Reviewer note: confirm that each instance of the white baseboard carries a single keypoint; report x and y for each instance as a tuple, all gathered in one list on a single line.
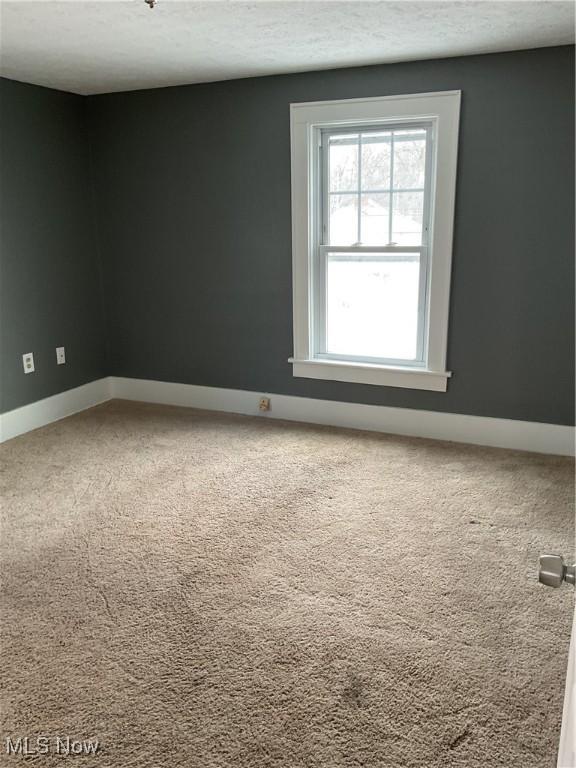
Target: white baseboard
[(479, 430), (42, 412)]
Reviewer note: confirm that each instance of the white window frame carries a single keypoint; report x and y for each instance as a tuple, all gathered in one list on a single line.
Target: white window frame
[(440, 111)]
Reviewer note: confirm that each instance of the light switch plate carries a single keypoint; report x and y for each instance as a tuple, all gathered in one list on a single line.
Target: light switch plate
[(60, 355), (28, 362)]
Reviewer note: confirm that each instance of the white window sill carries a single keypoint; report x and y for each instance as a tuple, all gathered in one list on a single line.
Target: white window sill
[(366, 373)]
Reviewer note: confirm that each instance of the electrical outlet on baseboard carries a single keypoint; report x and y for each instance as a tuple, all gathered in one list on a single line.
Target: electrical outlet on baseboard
[(60, 355), (264, 404)]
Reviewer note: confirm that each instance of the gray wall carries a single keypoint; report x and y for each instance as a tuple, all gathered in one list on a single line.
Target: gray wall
[(50, 277), (193, 195), (194, 192)]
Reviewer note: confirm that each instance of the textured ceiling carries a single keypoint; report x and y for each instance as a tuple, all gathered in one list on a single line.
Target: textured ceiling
[(96, 47)]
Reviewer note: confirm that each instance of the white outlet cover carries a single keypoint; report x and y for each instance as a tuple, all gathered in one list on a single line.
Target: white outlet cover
[(60, 355), (28, 362)]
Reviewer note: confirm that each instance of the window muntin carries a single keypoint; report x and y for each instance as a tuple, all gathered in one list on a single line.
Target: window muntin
[(371, 254)]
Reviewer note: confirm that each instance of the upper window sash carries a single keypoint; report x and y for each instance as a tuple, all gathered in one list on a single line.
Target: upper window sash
[(358, 137)]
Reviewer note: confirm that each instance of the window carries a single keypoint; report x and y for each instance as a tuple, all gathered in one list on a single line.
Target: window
[(372, 204)]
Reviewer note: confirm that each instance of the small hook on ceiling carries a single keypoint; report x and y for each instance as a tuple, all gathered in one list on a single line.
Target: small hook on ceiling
[(151, 3)]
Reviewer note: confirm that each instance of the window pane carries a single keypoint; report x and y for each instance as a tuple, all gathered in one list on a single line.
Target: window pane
[(376, 160), (343, 219), (372, 306), (343, 161), (375, 219), (407, 218), (409, 159)]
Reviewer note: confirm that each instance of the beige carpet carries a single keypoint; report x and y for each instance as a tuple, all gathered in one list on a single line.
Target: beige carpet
[(213, 591)]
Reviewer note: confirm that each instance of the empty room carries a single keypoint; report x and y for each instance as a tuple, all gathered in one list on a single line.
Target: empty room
[(287, 384)]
